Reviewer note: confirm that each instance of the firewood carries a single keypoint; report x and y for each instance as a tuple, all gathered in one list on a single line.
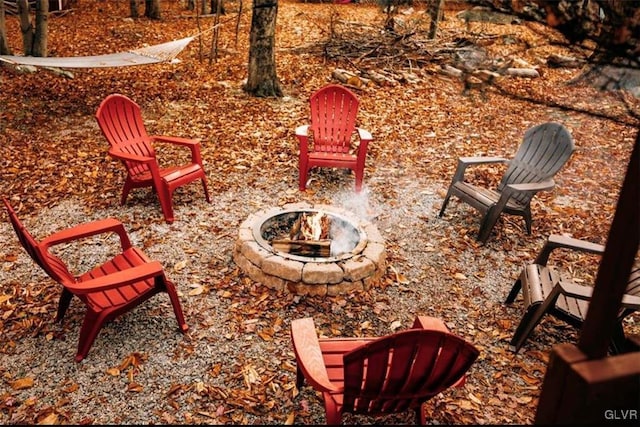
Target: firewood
[(315, 248), (522, 72)]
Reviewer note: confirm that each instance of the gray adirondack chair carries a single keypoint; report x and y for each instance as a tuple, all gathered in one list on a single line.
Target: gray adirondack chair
[(544, 150)]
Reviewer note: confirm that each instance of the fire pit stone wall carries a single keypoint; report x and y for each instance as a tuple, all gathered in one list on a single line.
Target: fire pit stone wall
[(360, 269)]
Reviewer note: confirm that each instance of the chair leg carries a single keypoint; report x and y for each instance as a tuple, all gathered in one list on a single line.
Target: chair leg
[(528, 322), (302, 178), (166, 203), (128, 185), (619, 342), (334, 417), (421, 419), (531, 318), (359, 179), (487, 224), (169, 287), (91, 325), (63, 304), (527, 220), (299, 378), (206, 190), (445, 202), (515, 290)]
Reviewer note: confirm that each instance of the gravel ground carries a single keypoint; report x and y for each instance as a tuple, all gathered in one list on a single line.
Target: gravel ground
[(225, 318)]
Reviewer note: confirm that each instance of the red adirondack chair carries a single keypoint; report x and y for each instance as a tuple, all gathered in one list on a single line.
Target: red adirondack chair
[(108, 290), (380, 376), (121, 123), (328, 140)]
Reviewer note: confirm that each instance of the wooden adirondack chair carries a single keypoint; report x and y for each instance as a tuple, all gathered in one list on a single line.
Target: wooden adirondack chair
[(327, 141), (108, 290), (121, 123), (547, 289), (544, 150), (380, 376)]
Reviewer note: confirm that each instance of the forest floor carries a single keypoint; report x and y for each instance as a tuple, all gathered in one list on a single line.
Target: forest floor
[(236, 364)]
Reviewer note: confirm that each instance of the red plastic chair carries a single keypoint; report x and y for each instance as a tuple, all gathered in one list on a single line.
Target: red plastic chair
[(327, 141), (108, 290), (380, 376), (121, 123)]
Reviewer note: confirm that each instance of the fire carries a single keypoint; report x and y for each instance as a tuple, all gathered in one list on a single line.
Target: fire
[(311, 226)]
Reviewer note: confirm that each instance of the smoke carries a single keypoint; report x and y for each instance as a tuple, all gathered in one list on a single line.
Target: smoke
[(357, 203), (344, 237)]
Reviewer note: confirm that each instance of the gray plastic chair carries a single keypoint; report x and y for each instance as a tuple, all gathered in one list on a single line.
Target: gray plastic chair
[(544, 150)]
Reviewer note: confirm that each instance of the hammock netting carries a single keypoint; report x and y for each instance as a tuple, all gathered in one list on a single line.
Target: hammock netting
[(164, 52)]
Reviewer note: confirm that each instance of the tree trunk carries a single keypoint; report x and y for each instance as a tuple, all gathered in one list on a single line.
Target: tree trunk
[(437, 6), (263, 80), (4, 46), (40, 34), (133, 6), (152, 9), (218, 6), (26, 27)]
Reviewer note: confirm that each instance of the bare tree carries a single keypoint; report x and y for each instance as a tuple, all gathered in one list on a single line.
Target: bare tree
[(133, 8), (152, 9), (4, 46), (436, 8), (34, 39), (41, 30), (263, 80)]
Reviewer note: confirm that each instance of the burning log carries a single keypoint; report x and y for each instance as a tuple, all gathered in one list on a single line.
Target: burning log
[(310, 248)]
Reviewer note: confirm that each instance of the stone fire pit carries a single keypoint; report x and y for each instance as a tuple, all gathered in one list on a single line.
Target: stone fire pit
[(357, 260)]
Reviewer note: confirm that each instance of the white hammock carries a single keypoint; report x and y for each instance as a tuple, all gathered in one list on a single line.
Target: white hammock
[(164, 52)]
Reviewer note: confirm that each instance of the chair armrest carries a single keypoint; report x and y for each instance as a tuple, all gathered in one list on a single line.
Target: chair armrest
[(533, 186), (302, 130), (364, 135), (117, 279), (88, 229), (130, 157), (479, 160), (189, 142), (630, 301), (431, 323), (192, 144), (529, 187), (309, 355), (464, 162), (556, 241), (573, 290)]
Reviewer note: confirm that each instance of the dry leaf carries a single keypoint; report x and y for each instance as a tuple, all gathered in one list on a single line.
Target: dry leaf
[(49, 420), (134, 387), (22, 383), (196, 291), (290, 419), (180, 265)]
